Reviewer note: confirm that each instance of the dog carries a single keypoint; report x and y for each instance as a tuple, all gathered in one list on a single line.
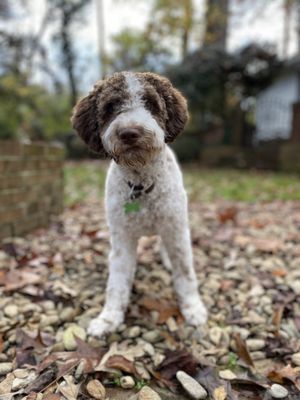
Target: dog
[(132, 116)]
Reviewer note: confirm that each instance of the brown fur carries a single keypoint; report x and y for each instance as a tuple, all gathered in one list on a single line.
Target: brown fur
[(175, 103), (93, 113)]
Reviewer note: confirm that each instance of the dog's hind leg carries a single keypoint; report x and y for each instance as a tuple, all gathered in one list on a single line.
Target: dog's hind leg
[(122, 265)]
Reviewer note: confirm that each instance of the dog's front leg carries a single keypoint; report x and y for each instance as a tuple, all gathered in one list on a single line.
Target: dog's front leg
[(178, 245), (122, 265)]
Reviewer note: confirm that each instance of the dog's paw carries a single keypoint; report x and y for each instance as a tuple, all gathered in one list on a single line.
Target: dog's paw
[(195, 314), (103, 325)]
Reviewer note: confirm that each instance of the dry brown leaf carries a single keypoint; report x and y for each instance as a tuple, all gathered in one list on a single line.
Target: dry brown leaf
[(242, 350), (165, 309), (121, 363), (70, 390), (288, 372), (227, 214), (278, 317), (279, 272), (18, 278)]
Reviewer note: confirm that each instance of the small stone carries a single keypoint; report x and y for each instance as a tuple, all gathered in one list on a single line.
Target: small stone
[(5, 368), (158, 359), (67, 314), (215, 335), (127, 382), (191, 386), (255, 344), (146, 393), (171, 324), (278, 391), (113, 337), (21, 373), (69, 336), (133, 332), (20, 383), (152, 336), (96, 389), (296, 359), (11, 311), (227, 374)]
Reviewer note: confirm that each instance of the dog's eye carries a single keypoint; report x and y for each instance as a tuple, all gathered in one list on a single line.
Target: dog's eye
[(109, 108), (152, 104)]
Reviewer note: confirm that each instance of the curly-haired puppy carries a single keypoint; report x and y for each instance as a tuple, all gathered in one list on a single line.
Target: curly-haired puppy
[(132, 117)]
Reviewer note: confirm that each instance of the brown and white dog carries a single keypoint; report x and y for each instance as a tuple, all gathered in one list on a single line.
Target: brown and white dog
[(132, 117)]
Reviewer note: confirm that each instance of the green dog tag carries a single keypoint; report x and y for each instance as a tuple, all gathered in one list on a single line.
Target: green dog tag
[(131, 207)]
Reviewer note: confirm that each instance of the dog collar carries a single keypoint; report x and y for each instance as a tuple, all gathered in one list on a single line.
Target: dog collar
[(136, 191)]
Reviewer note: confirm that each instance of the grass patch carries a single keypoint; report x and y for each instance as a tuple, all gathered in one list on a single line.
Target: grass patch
[(86, 179)]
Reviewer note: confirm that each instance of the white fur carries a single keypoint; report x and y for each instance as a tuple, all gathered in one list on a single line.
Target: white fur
[(163, 212)]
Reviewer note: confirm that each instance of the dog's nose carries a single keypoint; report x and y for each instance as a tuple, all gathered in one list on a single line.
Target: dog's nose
[(129, 135)]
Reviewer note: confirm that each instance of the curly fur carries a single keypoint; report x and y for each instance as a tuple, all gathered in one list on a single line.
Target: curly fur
[(157, 112)]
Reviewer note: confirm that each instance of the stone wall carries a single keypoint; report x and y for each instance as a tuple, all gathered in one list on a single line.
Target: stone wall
[(31, 186)]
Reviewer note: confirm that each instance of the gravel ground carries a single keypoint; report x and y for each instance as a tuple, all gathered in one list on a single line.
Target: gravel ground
[(247, 258)]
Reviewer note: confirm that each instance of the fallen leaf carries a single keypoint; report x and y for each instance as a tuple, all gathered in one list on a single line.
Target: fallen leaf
[(69, 390), (122, 364), (41, 382), (52, 396), (208, 377), (277, 318), (89, 355), (280, 272), (164, 308), (288, 372), (175, 361), (242, 350), (18, 278), (227, 214)]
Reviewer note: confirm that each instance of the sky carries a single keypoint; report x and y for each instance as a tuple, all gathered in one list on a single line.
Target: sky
[(251, 20)]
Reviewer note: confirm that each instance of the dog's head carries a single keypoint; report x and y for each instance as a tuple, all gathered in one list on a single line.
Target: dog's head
[(130, 116)]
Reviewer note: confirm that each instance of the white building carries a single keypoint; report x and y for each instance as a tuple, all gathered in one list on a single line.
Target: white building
[(274, 105)]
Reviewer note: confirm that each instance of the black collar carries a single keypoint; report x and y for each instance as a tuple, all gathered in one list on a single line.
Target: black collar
[(137, 191)]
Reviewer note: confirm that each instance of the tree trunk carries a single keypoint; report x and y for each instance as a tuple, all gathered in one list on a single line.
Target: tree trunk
[(216, 23)]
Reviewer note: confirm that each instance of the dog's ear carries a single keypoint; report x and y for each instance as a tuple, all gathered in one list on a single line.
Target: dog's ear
[(176, 105), (85, 119)]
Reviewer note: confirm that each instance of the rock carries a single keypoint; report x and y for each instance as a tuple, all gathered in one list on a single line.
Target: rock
[(21, 373), (158, 359), (96, 389), (152, 336), (133, 332), (11, 311), (191, 386), (146, 393), (227, 374), (296, 359), (215, 335), (67, 314), (113, 337), (171, 324), (127, 382), (278, 391), (20, 383), (69, 336), (5, 368), (255, 344)]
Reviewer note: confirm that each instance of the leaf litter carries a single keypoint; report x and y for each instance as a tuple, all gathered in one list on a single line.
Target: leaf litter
[(247, 260)]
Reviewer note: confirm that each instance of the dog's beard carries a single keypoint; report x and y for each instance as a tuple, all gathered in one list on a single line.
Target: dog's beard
[(137, 155)]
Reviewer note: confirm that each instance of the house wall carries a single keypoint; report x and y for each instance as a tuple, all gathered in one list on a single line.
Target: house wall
[(31, 186), (274, 109)]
